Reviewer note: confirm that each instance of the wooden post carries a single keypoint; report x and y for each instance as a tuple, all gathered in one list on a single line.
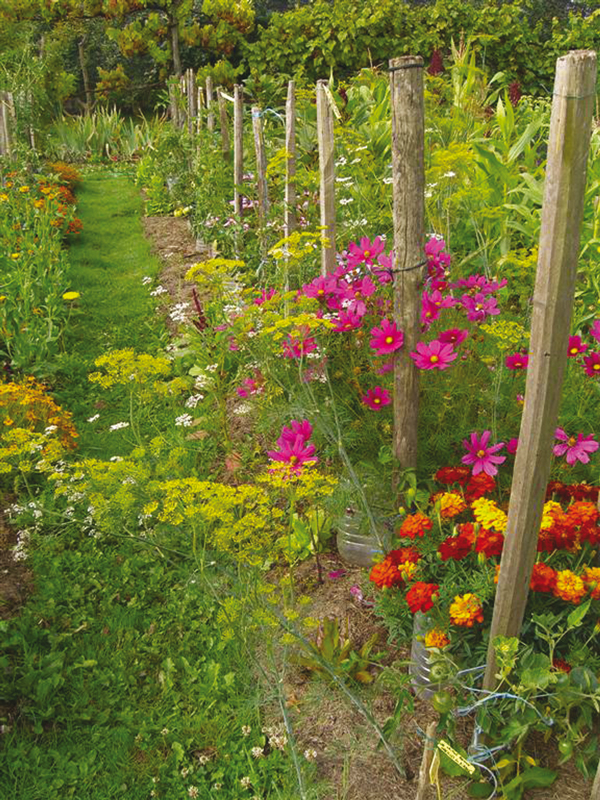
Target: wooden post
[(238, 150), (210, 116), (5, 143), (224, 122), (199, 104), (191, 99), (562, 212), (290, 162), (408, 171), (261, 168), (596, 787), (327, 176), (174, 103)]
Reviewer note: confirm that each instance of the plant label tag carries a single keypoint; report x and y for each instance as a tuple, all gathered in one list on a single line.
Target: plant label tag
[(456, 757)]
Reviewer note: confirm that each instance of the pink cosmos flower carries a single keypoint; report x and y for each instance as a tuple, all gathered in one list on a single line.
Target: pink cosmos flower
[(453, 336), (265, 294), (386, 367), (511, 446), (592, 364), (387, 338), (481, 455), (346, 321), (297, 348), (435, 355), (384, 269), (595, 330), (479, 284), (294, 448), (479, 306), (575, 449), (576, 346), (366, 252), (303, 429), (320, 287), (517, 361), (377, 398), (249, 386)]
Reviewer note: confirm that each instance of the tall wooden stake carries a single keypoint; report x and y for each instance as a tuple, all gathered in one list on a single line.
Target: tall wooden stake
[(210, 115), (408, 170), (327, 176), (562, 212), (238, 150), (224, 123), (190, 79), (261, 168), (290, 163)]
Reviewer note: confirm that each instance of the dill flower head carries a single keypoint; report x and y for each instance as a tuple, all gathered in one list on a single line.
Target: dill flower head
[(466, 610), (488, 515), (569, 587), (436, 638)]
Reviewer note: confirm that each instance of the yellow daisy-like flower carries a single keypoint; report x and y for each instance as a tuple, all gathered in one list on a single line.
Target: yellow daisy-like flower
[(71, 295), (436, 638), (24, 189), (3, 198), (451, 504), (488, 515), (15, 255), (591, 578), (569, 587), (466, 610)]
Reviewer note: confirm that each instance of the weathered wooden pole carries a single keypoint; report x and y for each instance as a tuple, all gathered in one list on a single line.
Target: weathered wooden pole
[(199, 104), (190, 79), (290, 161), (261, 167), (562, 212), (595, 795), (5, 142), (224, 123), (238, 150), (408, 171), (210, 114), (327, 176)]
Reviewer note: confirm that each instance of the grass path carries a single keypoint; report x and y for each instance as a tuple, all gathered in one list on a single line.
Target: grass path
[(108, 262)]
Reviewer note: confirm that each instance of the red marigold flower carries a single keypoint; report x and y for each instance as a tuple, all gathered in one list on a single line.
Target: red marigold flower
[(467, 531), (415, 525), (583, 513), (455, 547), (490, 543), (404, 554), (420, 596), (478, 486), (453, 475), (561, 665)]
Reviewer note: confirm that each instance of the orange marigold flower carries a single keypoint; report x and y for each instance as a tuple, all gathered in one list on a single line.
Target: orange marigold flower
[(420, 596), (467, 531), (591, 578), (436, 638), (451, 504), (583, 513), (490, 543), (385, 575), (455, 547), (569, 587), (415, 525), (466, 610), (543, 578)]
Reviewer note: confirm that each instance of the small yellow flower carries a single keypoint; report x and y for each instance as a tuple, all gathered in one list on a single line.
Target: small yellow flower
[(24, 189), (4, 198), (71, 295), (15, 255)]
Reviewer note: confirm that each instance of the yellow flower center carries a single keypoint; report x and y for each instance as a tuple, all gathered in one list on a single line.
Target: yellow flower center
[(480, 453), (389, 339), (367, 253), (434, 359)]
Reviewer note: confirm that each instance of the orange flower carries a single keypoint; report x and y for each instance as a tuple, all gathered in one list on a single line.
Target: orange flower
[(436, 638), (569, 587), (591, 578), (543, 578), (420, 596), (478, 486), (385, 575), (415, 525), (451, 504), (466, 610)]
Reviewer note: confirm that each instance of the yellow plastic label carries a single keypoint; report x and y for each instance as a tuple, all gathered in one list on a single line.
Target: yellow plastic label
[(456, 757)]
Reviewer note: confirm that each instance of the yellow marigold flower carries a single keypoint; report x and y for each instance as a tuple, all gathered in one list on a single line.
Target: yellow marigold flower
[(4, 198), (569, 587), (466, 610), (550, 508), (24, 189), (407, 569), (488, 515), (8, 421), (451, 504), (436, 638), (591, 578), (71, 295)]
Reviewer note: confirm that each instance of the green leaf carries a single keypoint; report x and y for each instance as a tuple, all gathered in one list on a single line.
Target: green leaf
[(538, 777), (576, 616), (481, 789)]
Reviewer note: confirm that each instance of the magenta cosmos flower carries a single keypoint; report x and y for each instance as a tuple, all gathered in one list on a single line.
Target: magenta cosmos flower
[(575, 449), (595, 330), (435, 355), (576, 346), (481, 455), (366, 252), (377, 398), (453, 336), (517, 361), (387, 338), (294, 448), (592, 364)]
